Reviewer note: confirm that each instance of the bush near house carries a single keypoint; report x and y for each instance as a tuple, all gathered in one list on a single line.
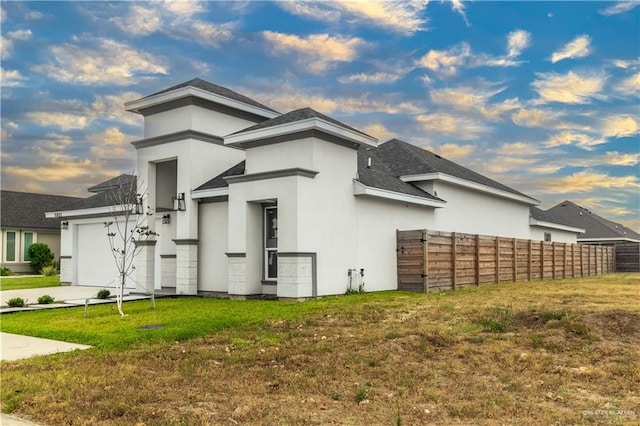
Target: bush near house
[(40, 255), (5, 272), (16, 302)]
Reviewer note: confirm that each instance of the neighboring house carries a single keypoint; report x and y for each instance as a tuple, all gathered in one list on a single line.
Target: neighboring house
[(598, 230), (24, 223), (248, 201)]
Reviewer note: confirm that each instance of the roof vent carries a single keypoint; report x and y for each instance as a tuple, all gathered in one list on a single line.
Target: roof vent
[(369, 163), (437, 156)]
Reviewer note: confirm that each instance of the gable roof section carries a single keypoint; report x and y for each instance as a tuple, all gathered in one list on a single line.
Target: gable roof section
[(596, 227), (412, 163), (220, 181), (118, 181), (545, 219), (297, 124), (203, 94), (215, 89), (379, 176), (25, 210)]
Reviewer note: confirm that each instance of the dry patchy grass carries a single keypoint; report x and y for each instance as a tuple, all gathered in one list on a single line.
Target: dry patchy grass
[(560, 352)]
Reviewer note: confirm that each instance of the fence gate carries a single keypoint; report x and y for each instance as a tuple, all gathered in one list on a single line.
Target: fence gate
[(411, 259)]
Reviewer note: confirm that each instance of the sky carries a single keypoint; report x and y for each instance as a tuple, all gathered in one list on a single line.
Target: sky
[(541, 96)]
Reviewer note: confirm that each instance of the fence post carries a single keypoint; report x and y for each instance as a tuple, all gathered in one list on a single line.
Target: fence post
[(530, 267), (477, 259), (454, 260), (542, 260), (515, 260), (497, 259), (425, 260)]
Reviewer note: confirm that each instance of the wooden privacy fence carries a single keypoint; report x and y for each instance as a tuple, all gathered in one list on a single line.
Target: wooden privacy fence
[(433, 261), (628, 257)]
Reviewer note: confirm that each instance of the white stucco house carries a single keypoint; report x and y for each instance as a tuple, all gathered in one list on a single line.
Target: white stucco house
[(248, 201)]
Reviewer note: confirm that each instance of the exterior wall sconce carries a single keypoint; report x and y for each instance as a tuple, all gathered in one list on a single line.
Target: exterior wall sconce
[(179, 202), (166, 219), (64, 225), (137, 208)]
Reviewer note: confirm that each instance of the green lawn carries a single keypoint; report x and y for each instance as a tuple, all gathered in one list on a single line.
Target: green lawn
[(21, 283), (542, 352)]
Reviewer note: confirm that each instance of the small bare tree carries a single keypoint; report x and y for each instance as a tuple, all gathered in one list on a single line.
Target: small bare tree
[(127, 228)]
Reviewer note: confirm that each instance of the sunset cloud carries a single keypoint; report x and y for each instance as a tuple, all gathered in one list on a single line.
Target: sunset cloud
[(461, 127), (318, 52), (570, 88), (577, 48)]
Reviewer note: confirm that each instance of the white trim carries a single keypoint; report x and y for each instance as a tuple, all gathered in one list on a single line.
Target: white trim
[(471, 185), (551, 225), (137, 105), (206, 193), (313, 123), (360, 189), (631, 240), (106, 210)]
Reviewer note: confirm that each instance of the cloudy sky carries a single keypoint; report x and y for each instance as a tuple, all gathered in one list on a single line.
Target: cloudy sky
[(542, 96)]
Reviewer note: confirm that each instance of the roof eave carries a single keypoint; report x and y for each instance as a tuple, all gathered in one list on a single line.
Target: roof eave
[(470, 185), (551, 225), (312, 123), (360, 189), (183, 92), (70, 214)]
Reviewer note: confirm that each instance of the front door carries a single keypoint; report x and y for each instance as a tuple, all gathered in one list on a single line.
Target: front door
[(271, 243)]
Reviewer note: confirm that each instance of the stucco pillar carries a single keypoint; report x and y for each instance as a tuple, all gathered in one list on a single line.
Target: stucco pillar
[(186, 266), (145, 267)]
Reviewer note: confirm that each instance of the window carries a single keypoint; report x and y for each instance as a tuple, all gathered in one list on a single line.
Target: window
[(270, 243), (28, 240), (547, 236), (10, 246)]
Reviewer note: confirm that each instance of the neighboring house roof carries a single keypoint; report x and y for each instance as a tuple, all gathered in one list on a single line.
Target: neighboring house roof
[(214, 88), (25, 210), (294, 116), (596, 227), (404, 159)]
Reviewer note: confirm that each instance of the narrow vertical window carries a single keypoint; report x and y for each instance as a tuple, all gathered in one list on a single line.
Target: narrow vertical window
[(28, 240), (271, 243), (547, 236), (11, 246)]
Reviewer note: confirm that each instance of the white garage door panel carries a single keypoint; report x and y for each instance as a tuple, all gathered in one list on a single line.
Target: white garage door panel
[(96, 266)]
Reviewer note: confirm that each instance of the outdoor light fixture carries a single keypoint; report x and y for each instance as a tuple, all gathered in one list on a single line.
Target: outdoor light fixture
[(166, 219), (64, 225), (179, 202), (137, 208)]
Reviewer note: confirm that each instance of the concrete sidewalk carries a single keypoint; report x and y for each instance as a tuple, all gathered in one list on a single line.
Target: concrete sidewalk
[(9, 420), (17, 346)]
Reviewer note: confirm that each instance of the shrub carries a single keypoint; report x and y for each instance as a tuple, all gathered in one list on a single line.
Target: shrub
[(45, 300), (103, 294), (49, 271), (16, 302), (5, 272), (40, 256)]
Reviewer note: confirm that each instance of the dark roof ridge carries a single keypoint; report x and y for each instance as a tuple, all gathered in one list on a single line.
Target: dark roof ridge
[(295, 116), (451, 168), (216, 89)]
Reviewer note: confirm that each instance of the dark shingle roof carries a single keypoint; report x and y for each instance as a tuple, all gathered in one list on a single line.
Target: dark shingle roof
[(595, 226), (379, 176), (405, 159), (109, 193), (545, 216), (27, 210), (219, 181), (297, 115), (110, 184), (214, 88)]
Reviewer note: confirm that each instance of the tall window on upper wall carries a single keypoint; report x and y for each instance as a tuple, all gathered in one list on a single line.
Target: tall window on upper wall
[(547, 236), (28, 240), (10, 246)]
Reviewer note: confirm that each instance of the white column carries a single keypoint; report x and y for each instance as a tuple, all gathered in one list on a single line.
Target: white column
[(186, 266), (145, 267)]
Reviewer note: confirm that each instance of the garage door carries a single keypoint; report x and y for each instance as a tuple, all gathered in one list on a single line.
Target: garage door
[(96, 266)]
